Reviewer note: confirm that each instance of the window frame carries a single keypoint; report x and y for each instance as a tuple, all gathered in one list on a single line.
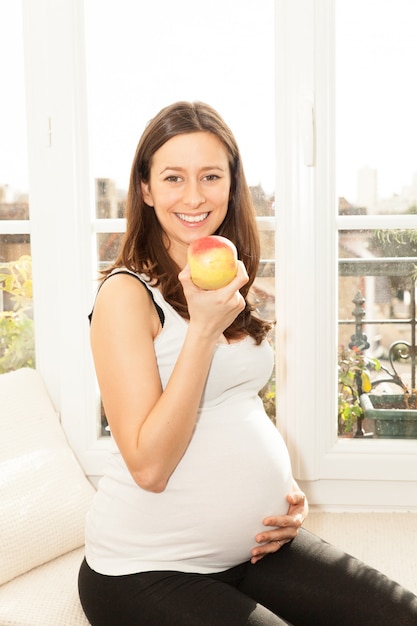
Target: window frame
[(334, 472), (60, 202)]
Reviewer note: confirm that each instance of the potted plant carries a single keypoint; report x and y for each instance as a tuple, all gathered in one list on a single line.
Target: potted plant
[(394, 415), (353, 380)]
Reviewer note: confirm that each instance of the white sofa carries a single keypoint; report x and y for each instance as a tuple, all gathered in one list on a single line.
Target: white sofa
[(44, 496)]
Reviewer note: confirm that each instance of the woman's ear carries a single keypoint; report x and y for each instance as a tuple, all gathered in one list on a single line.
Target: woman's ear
[(146, 193)]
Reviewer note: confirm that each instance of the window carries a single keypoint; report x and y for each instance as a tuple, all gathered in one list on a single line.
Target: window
[(124, 93), (17, 342), (376, 180), (75, 211), (314, 130)]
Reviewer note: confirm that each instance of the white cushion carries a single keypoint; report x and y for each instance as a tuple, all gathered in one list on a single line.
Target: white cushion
[(44, 494), (45, 596)]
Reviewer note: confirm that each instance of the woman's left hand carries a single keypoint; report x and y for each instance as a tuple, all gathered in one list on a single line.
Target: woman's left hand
[(284, 527)]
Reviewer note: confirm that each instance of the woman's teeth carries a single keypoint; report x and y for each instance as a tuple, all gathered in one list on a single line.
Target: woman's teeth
[(192, 218)]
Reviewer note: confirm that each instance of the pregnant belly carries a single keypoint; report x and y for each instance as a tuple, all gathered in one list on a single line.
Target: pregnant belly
[(226, 492), (235, 472)]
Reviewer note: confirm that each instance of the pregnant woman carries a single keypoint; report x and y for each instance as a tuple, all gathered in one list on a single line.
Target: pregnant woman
[(197, 518)]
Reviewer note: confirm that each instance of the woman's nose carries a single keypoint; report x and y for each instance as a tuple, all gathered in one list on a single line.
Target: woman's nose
[(193, 195)]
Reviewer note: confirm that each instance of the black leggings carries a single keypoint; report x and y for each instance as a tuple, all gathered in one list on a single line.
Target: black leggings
[(307, 582)]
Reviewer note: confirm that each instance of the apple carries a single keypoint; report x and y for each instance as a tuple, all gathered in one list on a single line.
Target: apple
[(212, 261)]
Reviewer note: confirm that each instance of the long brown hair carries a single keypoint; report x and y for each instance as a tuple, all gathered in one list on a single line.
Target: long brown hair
[(143, 250)]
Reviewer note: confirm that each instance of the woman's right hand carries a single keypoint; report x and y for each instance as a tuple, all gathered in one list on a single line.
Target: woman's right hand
[(215, 309)]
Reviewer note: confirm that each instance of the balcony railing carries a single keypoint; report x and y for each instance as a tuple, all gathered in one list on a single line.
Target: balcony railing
[(401, 349)]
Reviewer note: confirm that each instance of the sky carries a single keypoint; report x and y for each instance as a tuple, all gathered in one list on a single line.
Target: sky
[(142, 59), (160, 52), (376, 101)]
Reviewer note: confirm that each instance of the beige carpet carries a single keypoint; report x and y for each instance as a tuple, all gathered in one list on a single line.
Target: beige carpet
[(387, 541)]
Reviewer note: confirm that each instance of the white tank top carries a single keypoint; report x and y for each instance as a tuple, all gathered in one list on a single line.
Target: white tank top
[(235, 472)]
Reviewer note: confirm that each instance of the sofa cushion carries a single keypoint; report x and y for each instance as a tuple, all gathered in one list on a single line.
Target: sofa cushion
[(44, 494), (45, 596)]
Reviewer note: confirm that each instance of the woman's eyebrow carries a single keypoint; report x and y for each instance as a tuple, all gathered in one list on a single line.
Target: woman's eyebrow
[(177, 168)]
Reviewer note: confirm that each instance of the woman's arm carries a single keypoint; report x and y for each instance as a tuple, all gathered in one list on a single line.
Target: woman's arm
[(152, 427)]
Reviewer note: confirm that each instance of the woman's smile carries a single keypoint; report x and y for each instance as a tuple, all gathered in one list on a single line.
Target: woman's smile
[(192, 219)]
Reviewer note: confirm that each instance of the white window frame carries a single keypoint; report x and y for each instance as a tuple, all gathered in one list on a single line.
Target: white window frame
[(61, 201), (334, 472)]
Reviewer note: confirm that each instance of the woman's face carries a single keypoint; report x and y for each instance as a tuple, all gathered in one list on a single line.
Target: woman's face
[(189, 189)]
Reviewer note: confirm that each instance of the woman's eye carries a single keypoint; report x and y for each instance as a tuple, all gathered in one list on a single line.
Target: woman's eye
[(173, 179), (211, 177)]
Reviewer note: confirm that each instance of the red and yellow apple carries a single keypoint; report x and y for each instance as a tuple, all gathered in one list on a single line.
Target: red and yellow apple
[(212, 261)]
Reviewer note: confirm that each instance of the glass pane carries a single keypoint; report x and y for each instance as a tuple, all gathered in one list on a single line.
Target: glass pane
[(377, 318), (13, 149), (192, 56), (108, 245), (376, 130), (17, 339), (143, 70), (110, 201), (17, 343), (376, 101)]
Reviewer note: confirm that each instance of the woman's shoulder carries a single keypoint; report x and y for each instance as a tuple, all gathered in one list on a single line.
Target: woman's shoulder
[(124, 290)]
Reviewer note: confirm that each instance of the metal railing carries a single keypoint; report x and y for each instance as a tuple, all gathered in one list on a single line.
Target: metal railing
[(398, 350)]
